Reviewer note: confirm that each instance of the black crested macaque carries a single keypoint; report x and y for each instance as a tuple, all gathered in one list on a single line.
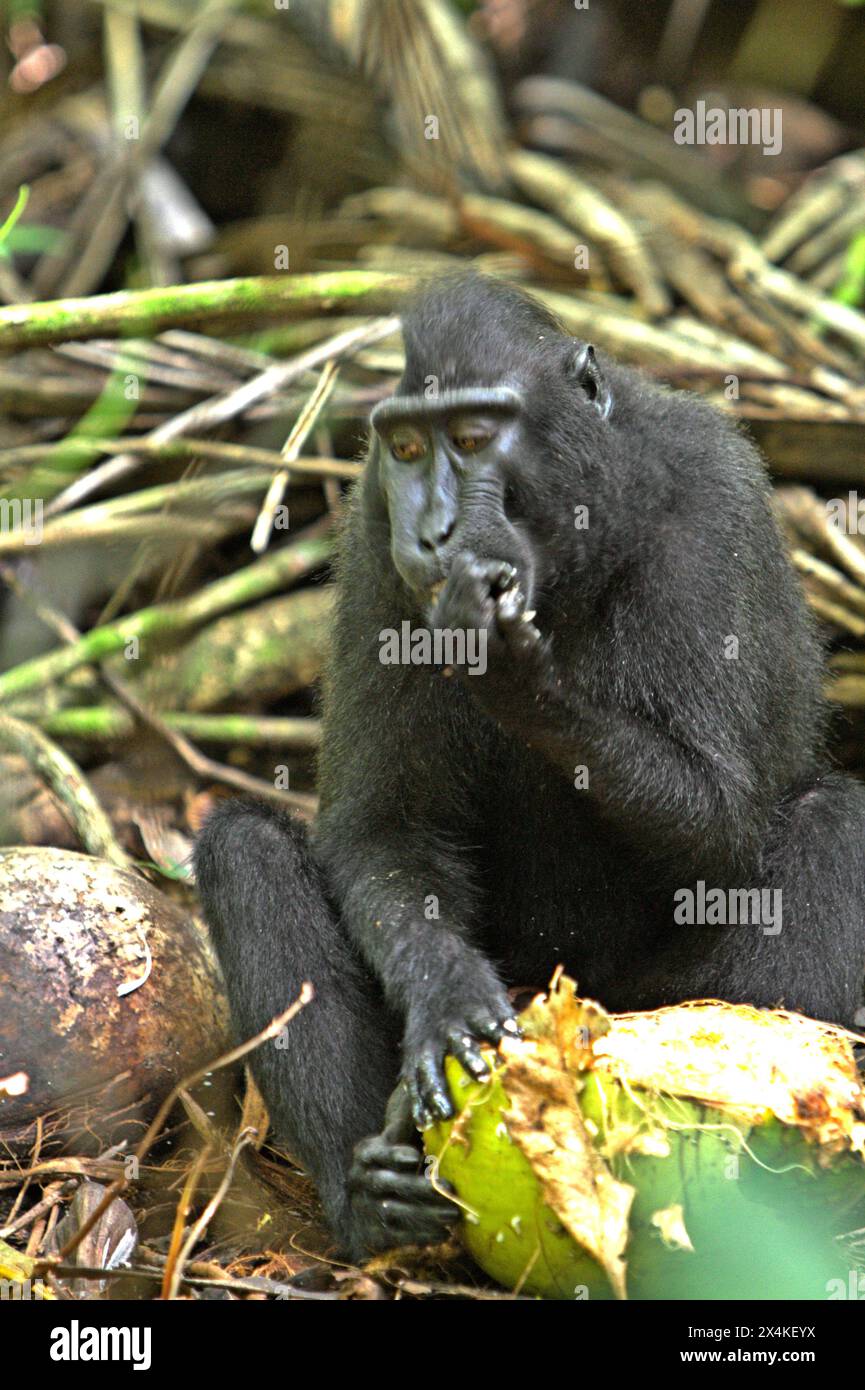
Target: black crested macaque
[(648, 730)]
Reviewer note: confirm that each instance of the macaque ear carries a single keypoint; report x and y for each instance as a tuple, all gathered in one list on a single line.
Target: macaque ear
[(583, 367)]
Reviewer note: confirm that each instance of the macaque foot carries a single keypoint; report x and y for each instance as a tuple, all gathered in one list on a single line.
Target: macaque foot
[(393, 1200)]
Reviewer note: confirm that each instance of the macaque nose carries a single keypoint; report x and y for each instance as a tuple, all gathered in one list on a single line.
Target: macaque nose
[(436, 533)]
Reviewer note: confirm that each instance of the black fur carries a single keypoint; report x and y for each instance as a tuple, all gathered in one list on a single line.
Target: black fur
[(458, 795)]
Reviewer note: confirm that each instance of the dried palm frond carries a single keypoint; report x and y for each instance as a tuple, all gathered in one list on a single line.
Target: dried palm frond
[(419, 54)]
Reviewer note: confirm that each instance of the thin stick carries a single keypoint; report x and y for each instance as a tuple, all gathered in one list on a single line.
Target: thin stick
[(218, 450), (292, 447), (55, 1194), (174, 1274)]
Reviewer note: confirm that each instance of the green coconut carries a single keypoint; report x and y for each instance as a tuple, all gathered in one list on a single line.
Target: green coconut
[(706, 1151)]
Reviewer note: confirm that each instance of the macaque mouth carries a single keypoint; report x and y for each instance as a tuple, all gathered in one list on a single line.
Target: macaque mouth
[(506, 579)]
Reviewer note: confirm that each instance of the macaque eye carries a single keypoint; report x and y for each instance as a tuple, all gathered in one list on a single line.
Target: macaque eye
[(407, 445), (469, 438), (470, 443)]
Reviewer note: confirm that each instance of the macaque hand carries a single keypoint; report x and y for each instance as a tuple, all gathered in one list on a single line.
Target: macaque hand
[(486, 596), (460, 1035)]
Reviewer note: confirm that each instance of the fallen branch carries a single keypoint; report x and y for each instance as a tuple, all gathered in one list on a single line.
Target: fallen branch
[(148, 312)]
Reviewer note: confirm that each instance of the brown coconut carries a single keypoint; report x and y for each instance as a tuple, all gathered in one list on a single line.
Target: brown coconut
[(72, 931)]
